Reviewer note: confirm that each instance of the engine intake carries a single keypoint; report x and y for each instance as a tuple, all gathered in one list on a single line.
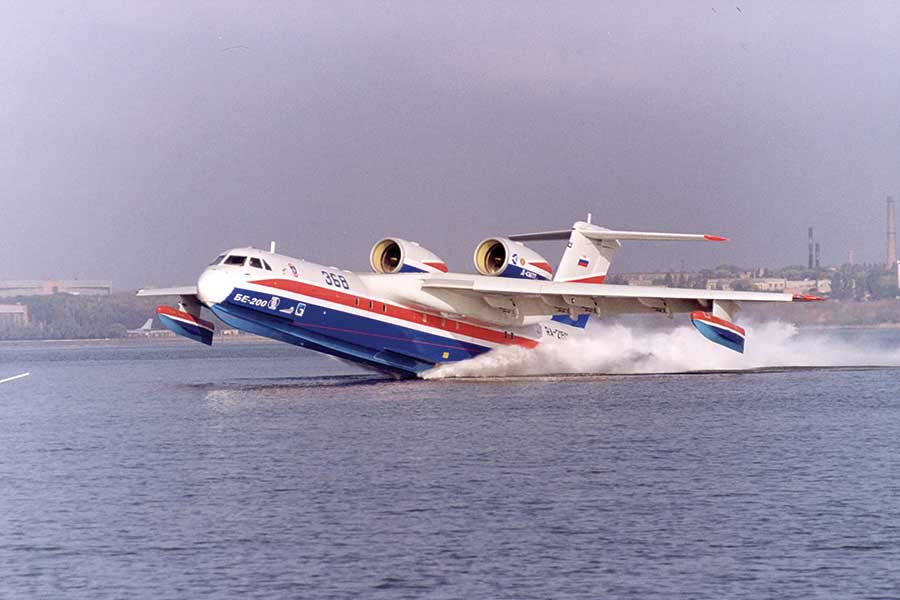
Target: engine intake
[(503, 257), (395, 255)]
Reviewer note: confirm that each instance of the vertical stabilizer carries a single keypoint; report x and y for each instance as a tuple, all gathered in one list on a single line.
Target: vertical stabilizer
[(587, 259)]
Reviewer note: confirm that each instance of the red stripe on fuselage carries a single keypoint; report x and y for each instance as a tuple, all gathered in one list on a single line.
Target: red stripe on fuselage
[(394, 311), (595, 279)]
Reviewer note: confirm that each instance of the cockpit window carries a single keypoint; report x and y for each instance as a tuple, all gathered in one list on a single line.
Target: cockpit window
[(235, 259), (217, 260), (266, 265), (256, 263)]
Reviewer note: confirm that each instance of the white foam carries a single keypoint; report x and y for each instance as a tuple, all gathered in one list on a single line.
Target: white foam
[(622, 349)]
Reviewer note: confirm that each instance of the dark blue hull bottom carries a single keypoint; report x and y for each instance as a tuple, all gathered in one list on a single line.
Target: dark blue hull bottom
[(383, 359)]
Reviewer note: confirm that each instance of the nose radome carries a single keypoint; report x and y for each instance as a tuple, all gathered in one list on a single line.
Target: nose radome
[(213, 286)]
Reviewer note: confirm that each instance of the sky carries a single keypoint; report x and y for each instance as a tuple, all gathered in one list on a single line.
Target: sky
[(137, 140)]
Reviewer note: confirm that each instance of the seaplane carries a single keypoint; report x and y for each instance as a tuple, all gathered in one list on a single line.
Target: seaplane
[(412, 314)]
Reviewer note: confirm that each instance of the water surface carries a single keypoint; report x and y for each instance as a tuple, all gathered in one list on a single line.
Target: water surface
[(168, 470)]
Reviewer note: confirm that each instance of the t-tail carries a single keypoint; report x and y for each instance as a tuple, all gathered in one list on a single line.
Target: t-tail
[(588, 257), (591, 248)]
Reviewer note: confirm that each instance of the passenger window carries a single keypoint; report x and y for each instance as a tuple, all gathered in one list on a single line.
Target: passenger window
[(217, 260), (234, 259), (256, 263)]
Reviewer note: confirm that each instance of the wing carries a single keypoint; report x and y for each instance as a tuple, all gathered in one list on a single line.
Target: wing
[(187, 290), (711, 311), (575, 294)]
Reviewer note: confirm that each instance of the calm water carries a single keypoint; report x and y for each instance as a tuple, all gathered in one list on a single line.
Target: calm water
[(169, 470)]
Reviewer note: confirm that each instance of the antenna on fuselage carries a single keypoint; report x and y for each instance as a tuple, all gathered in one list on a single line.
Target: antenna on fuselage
[(589, 218), (272, 247)]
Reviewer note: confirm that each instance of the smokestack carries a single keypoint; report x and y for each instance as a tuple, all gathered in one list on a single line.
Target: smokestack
[(810, 248), (817, 256), (891, 234)]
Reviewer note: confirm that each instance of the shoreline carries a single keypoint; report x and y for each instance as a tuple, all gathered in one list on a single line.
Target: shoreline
[(227, 339), (251, 338)]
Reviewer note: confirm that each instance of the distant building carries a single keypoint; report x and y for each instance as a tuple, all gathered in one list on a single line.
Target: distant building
[(13, 315), (720, 284), (35, 287), (652, 278), (769, 284), (807, 286)]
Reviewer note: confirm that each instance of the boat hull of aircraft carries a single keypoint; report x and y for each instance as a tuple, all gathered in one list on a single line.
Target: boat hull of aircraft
[(377, 334)]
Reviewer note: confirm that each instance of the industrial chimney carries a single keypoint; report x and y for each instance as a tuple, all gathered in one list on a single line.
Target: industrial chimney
[(891, 234), (818, 264), (810, 248)]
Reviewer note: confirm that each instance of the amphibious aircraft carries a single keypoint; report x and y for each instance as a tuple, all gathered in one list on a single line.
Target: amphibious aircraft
[(412, 313)]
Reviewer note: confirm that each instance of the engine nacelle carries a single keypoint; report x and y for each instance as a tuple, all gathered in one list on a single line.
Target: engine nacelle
[(393, 255), (502, 257)]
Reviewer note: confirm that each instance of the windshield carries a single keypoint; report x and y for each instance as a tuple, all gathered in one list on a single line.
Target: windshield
[(235, 259)]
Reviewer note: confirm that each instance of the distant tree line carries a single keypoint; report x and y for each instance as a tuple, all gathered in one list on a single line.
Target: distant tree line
[(63, 316)]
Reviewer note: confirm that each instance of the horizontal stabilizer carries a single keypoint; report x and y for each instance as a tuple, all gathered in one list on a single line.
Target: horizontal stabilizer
[(608, 234), (599, 233), (186, 325), (719, 331)]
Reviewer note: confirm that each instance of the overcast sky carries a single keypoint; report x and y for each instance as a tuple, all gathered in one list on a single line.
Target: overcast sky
[(138, 139)]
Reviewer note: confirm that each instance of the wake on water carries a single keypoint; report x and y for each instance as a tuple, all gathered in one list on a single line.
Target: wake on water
[(621, 349)]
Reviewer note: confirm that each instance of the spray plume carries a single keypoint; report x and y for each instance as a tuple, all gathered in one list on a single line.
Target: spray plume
[(622, 349)]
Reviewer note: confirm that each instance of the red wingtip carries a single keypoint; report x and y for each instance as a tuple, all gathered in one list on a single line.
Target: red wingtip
[(807, 298), (715, 238)]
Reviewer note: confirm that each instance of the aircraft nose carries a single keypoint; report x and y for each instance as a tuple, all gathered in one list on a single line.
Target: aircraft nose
[(213, 286)]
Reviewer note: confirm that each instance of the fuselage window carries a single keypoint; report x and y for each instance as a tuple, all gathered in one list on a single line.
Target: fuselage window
[(256, 263), (217, 260), (234, 259), (384, 308)]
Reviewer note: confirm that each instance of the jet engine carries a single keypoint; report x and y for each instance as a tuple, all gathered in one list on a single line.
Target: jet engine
[(393, 255), (502, 257)]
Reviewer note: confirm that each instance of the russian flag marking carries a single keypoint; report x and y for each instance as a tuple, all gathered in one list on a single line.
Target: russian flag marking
[(583, 262)]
